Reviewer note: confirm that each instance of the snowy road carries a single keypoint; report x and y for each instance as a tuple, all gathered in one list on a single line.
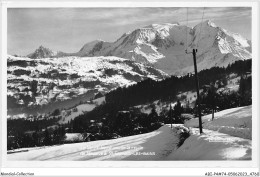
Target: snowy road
[(150, 146)]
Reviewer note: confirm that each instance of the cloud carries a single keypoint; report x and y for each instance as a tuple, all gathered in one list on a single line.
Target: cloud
[(75, 26), (124, 16)]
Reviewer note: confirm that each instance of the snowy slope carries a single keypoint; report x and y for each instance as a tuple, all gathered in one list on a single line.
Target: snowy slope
[(213, 145), (63, 78), (227, 137), (70, 114), (217, 47), (235, 122)]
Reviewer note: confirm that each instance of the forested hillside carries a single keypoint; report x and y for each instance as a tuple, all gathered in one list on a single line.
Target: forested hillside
[(121, 116)]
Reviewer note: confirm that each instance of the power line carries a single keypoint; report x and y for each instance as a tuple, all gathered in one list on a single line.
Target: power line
[(194, 51), (187, 15), (201, 25)]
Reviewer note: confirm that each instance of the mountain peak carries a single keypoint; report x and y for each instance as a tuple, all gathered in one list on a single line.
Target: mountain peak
[(157, 26), (41, 52), (210, 23), (207, 23), (41, 47)]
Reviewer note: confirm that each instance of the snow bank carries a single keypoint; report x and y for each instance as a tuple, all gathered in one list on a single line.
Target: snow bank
[(212, 145), (235, 122)]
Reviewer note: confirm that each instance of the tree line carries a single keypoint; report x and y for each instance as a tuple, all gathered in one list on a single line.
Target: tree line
[(118, 117)]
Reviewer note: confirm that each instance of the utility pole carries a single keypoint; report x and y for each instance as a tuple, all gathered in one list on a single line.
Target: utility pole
[(194, 51), (171, 114)]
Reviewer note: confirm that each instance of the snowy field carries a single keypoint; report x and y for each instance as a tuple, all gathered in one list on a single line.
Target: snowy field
[(227, 137), (80, 109)]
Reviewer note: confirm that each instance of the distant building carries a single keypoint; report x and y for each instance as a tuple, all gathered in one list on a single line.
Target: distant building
[(29, 133)]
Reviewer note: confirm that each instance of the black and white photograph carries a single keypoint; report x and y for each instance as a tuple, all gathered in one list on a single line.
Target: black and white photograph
[(129, 84)]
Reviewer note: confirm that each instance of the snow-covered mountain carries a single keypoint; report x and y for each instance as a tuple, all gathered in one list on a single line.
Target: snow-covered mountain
[(217, 47), (148, 52), (42, 81), (163, 46)]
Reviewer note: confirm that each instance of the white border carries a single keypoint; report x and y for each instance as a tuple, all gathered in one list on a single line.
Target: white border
[(239, 165), (114, 172), (133, 3)]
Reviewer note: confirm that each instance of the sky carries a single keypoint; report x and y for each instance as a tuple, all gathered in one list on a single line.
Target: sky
[(68, 29)]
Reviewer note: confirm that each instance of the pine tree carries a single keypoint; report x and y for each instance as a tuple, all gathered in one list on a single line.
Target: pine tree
[(170, 114), (47, 138), (178, 109), (62, 133), (212, 92)]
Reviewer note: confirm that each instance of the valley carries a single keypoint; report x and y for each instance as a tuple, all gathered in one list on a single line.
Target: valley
[(139, 86)]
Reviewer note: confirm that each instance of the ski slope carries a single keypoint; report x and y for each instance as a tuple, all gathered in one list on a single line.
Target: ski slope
[(227, 137)]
